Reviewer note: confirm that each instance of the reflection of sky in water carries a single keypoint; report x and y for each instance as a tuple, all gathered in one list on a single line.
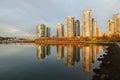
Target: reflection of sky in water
[(23, 62), (11, 49)]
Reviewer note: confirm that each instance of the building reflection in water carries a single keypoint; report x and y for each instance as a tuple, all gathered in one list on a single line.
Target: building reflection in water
[(72, 54), (86, 59), (69, 57), (60, 52), (89, 56), (43, 51), (76, 54), (48, 50)]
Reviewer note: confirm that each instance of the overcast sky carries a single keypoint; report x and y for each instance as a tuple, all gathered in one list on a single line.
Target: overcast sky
[(20, 17)]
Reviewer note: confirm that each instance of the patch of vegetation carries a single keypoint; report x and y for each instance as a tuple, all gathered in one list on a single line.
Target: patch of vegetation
[(107, 40)]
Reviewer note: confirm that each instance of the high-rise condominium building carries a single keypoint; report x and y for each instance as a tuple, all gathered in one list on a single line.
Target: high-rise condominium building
[(98, 33), (77, 28), (47, 32), (94, 28), (40, 30), (60, 30), (116, 18), (86, 23), (69, 24), (43, 31), (111, 27)]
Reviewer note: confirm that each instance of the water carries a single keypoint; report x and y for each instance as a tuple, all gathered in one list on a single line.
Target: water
[(47, 62)]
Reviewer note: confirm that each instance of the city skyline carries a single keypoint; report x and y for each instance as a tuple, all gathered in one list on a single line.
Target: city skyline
[(71, 27), (42, 31), (21, 18)]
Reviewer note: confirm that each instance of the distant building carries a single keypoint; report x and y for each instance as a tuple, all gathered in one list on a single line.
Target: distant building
[(111, 27), (114, 25), (60, 30), (40, 30), (69, 24), (47, 32), (86, 23), (98, 33), (43, 31), (77, 28), (94, 28), (116, 18)]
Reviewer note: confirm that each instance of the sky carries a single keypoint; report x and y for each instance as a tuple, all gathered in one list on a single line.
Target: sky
[(20, 17)]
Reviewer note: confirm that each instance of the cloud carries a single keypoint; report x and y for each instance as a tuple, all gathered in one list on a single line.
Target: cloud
[(9, 30), (25, 14), (8, 50), (13, 30)]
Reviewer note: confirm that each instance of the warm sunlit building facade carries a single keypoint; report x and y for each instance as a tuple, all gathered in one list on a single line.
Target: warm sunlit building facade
[(116, 19), (94, 28), (86, 23), (69, 25), (47, 32), (77, 28), (40, 30), (43, 31), (98, 33), (60, 30), (111, 27), (114, 25)]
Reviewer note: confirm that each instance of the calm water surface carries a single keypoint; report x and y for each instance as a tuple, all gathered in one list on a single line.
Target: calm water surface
[(40, 62)]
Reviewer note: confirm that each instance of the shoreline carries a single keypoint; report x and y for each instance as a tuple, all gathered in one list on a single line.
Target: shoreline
[(53, 42), (62, 42)]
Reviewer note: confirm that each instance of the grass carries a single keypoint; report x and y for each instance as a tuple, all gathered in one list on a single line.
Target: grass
[(103, 40)]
